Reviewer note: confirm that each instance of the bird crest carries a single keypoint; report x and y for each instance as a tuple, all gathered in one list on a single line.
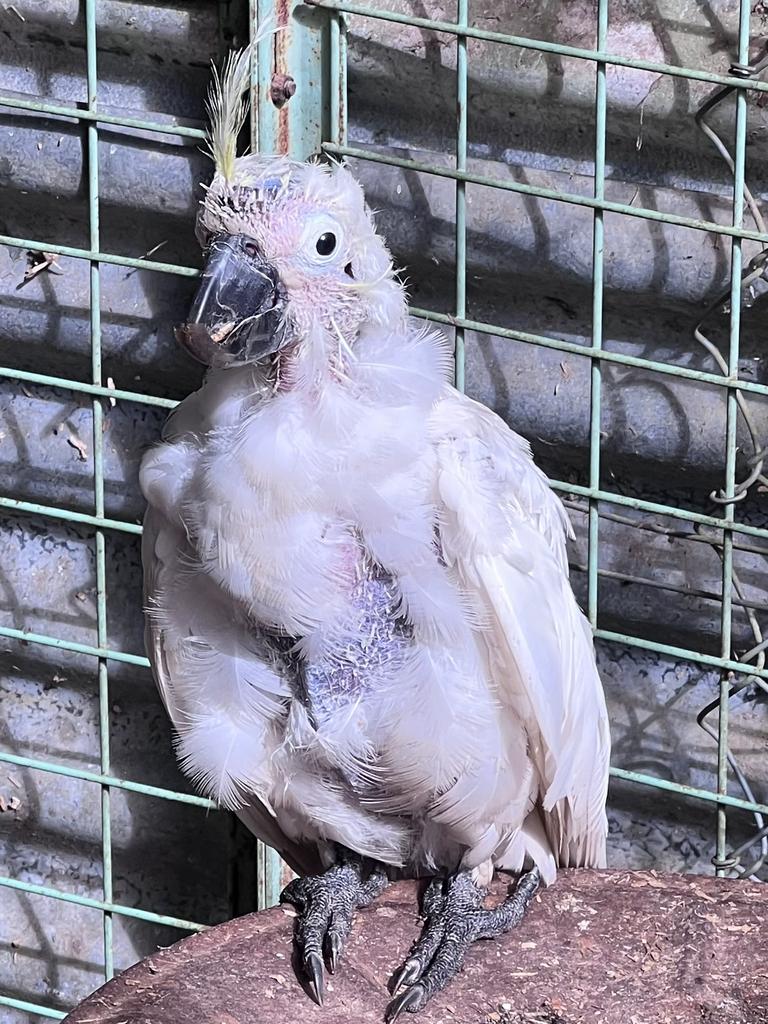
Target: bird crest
[(226, 104)]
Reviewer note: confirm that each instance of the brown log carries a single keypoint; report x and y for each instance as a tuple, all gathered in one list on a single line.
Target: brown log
[(598, 947)]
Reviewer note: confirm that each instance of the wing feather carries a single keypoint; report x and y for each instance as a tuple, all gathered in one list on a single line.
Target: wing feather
[(503, 531), (161, 544)]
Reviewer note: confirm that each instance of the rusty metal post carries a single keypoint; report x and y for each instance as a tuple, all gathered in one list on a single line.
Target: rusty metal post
[(290, 110)]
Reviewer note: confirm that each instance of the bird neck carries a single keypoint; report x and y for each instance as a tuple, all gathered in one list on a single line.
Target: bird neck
[(327, 348), (400, 364)]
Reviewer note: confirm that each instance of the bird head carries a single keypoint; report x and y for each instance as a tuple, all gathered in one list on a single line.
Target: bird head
[(293, 261)]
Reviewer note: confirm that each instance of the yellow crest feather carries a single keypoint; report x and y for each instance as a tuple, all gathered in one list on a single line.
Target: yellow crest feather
[(226, 104)]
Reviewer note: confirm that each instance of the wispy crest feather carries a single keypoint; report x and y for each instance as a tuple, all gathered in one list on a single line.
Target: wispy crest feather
[(226, 104)]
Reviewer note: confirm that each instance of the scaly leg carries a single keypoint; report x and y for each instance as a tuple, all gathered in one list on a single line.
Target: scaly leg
[(326, 904), (455, 917)]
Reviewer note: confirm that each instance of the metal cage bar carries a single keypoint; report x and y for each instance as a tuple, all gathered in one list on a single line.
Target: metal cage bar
[(462, 74), (539, 192), (56, 110), (97, 414), (598, 272), (539, 45), (732, 412), (35, 1008), (103, 905)]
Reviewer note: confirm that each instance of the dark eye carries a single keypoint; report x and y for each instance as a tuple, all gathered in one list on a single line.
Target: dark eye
[(326, 244)]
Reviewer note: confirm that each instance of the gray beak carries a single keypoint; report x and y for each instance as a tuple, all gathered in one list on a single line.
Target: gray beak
[(236, 315)]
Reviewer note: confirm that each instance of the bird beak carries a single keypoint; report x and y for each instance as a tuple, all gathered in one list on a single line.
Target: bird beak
[(236, 315)]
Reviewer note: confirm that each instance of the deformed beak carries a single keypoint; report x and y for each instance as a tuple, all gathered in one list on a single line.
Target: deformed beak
[(236, 314)]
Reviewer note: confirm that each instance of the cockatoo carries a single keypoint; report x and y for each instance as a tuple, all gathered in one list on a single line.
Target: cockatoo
[(358, 608)]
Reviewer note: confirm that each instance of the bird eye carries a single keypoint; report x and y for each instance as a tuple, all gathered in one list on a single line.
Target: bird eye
[(326, 244)]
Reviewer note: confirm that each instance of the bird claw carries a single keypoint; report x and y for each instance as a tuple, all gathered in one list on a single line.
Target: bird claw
[(313, 966), (326, 904), (335, 946), (455, 918), (409, 1001), (408, 973)]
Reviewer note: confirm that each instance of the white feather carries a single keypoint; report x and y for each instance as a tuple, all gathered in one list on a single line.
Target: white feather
[(225, 105), (539, 647)]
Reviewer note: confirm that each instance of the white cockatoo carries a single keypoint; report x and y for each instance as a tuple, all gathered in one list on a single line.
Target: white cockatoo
[(358, 607)]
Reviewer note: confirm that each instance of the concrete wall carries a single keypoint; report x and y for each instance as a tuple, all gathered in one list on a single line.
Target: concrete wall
[(531, 119)]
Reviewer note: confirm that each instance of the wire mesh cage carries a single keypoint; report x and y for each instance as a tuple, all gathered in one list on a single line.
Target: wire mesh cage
[(567, 186)]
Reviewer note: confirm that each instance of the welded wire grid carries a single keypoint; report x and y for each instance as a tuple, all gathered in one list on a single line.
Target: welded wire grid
[(719, 529)]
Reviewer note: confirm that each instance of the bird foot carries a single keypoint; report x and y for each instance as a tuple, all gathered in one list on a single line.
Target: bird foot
[(326, 906), (455, 918)]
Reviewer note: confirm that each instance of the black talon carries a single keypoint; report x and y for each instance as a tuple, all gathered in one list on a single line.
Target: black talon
[(410, 1001), (408, 973), (334, 951), (313, 966)]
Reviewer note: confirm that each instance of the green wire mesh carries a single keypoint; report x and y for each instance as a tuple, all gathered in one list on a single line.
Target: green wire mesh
[(597, 497)]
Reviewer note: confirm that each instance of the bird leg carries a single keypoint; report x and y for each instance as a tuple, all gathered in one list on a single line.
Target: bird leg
[(455, 918), (326, 904)]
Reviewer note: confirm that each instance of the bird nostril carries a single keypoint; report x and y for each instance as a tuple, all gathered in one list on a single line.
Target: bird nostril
[(251, 249), (348, 271)]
